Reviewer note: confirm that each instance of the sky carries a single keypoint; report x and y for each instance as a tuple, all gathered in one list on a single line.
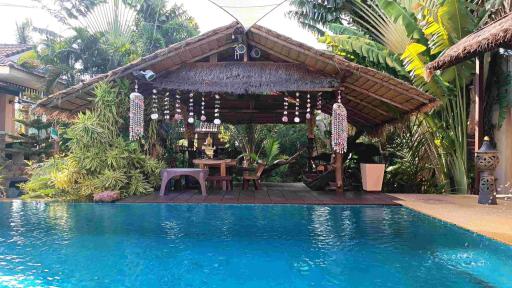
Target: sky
[(207, 15)]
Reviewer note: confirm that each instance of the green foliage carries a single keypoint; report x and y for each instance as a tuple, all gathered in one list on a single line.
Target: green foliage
[(412, 160), (23, 30), (99, 157), (41, 183), (504, 96), (35, 140), (400, 38)]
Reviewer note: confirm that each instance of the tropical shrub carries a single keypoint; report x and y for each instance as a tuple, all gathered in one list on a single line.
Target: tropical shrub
[(99, 157)]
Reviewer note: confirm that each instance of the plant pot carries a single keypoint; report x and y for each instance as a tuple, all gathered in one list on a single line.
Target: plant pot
[(372, 176)]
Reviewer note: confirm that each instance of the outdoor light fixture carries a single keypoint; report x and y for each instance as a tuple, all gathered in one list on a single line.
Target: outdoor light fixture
[(147, 75), (255, 53)]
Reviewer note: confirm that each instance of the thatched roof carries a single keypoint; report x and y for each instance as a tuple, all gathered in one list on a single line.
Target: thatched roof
[(495, 35), (245, 78), (372, 98)]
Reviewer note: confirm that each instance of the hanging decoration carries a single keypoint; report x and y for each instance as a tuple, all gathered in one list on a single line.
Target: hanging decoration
[(167, 115), (191, 109), (319, 106), (136, 114), (203, 116), (178, 116), (154, 106), (217, 110), (339, 126), (285, 110), (308, 107), (297, 104)]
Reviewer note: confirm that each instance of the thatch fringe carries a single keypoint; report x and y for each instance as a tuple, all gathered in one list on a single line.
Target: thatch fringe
[(245, 78), (491, 37)]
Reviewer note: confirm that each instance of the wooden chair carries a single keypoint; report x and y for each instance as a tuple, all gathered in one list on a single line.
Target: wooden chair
[(255, 177), (217, 181)]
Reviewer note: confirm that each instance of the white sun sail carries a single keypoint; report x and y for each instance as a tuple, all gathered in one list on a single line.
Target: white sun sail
[(248, 12)]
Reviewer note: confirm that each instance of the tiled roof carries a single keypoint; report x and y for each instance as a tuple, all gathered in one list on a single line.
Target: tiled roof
[(8, 50)]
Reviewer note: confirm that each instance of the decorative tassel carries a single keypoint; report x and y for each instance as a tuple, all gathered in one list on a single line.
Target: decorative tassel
[(136, 115), (191, 109), (178, 116), (217, 110), (167, 115), (203, 116), (285, 110), (308, 107), (154, 106), (297, 104)]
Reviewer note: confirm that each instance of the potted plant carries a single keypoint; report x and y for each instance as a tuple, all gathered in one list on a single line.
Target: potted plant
[(372, 175)]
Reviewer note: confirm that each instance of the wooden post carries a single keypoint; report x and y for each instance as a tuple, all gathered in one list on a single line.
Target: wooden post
[(479, 111), (189, 134), (311, 142), (338, 165)]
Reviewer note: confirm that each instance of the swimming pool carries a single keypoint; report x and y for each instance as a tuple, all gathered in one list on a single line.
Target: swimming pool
[(155, 245)]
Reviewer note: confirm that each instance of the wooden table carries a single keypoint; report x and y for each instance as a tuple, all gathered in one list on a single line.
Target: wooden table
[(222, 164)]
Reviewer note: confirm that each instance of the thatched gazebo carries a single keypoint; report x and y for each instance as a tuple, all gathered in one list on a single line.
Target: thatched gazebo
[(253, 84)]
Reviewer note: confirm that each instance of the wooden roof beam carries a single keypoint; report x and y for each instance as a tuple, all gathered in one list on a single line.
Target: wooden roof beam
[(367, 105), (364, 91), (394, 87)]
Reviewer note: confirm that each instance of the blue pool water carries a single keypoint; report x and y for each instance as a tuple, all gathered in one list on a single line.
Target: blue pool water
[(153, 245)]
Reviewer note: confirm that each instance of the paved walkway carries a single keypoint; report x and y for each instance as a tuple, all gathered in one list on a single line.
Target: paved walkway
[(494, 221), (272, 193)]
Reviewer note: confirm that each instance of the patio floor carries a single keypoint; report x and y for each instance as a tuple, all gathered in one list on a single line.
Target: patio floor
[(271, 193), (493, 221)]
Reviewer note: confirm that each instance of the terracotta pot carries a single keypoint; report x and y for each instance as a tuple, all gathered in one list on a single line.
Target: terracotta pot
[(372, 176)]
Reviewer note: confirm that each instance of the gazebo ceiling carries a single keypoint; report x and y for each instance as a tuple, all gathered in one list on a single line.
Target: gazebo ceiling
[(199, 64)]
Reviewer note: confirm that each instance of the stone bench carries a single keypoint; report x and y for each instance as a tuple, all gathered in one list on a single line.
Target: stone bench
[(199, 174)]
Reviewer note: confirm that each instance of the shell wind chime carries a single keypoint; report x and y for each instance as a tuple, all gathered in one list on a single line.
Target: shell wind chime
[(178, 116), (285, 110), (136, 115), (296, 119), (216, 110), (339, 126), (154, 106)]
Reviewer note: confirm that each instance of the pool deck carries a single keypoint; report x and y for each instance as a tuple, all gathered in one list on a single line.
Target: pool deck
[(493, 221), (271, 193)]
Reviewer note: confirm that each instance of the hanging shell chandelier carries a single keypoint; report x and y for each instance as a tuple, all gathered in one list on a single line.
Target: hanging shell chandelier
[(178, 116), (154, 106), (285, 110), (297, 105), (217, 110), (136, 115), (339, 126)]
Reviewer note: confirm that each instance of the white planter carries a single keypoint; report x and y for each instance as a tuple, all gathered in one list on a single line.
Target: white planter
[(372, 176)]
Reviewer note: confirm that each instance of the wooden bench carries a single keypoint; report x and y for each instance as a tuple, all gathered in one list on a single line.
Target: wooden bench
[(199, 174)]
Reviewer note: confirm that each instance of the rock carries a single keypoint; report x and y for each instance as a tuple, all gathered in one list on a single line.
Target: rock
[(107, 196)]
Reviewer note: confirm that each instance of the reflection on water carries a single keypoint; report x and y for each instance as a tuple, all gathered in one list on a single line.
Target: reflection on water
[(88, 245)]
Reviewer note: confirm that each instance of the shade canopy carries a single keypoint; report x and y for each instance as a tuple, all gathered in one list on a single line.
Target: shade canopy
[(495, 35), (254, 85)]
